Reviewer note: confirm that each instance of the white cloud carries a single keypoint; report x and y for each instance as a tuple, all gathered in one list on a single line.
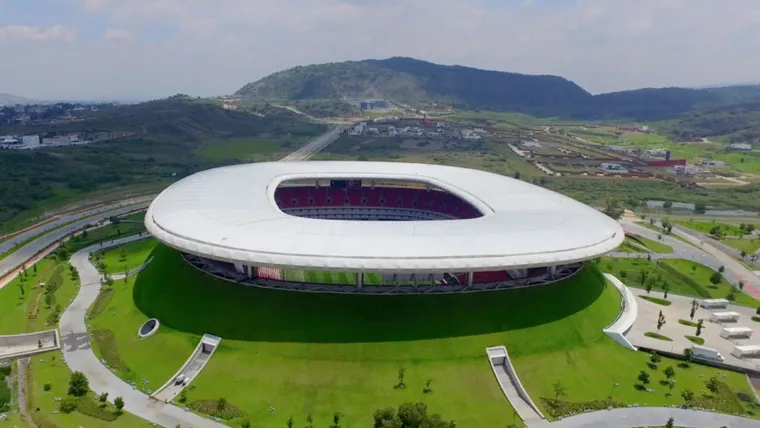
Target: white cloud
[(56, 33), (118, 34), (200, 47)]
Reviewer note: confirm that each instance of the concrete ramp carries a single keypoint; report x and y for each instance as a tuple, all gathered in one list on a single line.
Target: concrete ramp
[(510, 384), (24, 345), (190, 370)]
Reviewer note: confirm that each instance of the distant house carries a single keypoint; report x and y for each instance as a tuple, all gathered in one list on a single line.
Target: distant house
[(740, 147), (613, 168)]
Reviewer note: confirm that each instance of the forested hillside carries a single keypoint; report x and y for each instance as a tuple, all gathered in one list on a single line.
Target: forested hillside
[(167, 137)]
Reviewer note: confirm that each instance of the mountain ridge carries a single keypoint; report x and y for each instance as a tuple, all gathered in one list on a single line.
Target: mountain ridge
[(409, 80)]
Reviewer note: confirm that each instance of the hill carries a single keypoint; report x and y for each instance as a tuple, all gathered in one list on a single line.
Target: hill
[(167, 138), (407, 80), (10, 100)]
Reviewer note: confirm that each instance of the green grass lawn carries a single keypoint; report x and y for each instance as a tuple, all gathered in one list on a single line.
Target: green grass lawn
[(305, 353), (27, 311), (126, 257), (130, 225), (749, 246), (706, 227), (630, 246), (247, 149), (654, 246), (44, 369), (679, 282)]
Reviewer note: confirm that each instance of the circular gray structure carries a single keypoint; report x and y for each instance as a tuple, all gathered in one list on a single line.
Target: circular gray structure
[(149, 328), (414, 225)]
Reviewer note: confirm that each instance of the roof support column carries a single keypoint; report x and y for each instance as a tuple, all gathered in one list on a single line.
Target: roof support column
[(552, 271), (469, 278), (360, 280)]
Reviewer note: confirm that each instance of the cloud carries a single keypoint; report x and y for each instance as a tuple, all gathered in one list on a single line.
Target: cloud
[(118, 34), (200, 48), (56, 33)]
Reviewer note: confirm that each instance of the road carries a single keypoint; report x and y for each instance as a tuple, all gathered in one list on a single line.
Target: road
[(79, 356), (315, 145), (8, 245), (26, 252)]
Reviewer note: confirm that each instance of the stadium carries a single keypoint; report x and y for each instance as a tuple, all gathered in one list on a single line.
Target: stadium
[(377, 228)]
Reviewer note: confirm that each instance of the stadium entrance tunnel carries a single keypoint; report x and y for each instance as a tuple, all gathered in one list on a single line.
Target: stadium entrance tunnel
[(188, 300), (371, 200)]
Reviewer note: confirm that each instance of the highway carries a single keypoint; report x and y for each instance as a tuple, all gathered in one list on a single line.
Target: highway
[(315, 145), (8, 245), (26, 252)]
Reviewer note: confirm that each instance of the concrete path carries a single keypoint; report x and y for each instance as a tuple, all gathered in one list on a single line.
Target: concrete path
[(79, 355), (649, 416)]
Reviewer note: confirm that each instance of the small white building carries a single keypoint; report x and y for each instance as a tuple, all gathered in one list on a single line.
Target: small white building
[(746, 351), (31, 140), (714, 303), (736, 333), (742, 147), (729, 316)]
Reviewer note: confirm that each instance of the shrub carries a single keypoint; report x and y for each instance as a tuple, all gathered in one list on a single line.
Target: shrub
[(68, 404), (47, 386), (88, 406), (220, 408), (119, 403)]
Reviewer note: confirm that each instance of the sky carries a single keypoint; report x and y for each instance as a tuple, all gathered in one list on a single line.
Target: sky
[(145, 49)]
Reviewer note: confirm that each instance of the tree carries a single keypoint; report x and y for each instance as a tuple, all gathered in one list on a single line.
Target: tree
[(644, 274), (245, 424), (669, 372), (409, 415), (660, 321), (68, 404), (34, 269), (78, 385), (712, 385), (667, 205), (744, 254), (655, 358), (722, 269), (559, 389), (612, 209), (665, 288), (715, 278), (103, 397), (309, 421), (428, 389), (119, 404), (669, 423), (517, 175), (688, 353), (401, 374), (700, 208), (336, 420), (289, 423), (694, 306), (687, 395), (649, 286), (699, 326), (643, 377)]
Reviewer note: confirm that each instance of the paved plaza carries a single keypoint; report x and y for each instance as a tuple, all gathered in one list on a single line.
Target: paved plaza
[(646, 321)]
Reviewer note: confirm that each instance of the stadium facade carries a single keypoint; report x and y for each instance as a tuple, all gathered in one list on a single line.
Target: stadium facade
[(376, 227)]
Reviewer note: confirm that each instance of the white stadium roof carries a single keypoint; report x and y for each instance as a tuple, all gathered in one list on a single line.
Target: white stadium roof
[(229, 214)]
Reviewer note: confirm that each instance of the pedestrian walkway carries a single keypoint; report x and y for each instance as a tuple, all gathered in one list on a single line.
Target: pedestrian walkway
[(649, 416), (79, 355)]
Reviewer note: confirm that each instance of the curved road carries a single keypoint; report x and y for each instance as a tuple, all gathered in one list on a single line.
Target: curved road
[(649, 416), (79, 356), (26, 252)]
